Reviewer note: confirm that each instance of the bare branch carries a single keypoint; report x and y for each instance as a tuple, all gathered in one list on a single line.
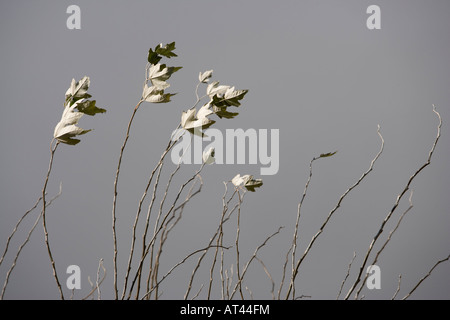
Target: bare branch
[(25, 242), (175, 266), (97, 283), (237, 246), (398, 287), (238, 284), (346, 276), (269, 276), (387, 240), (44, 222), (314, 238), (399, 197), (116, 181), (426, 276)]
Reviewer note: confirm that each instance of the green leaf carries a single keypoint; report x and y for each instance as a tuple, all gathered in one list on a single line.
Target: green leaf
[(247, 181), (230, 98), (70, 141), (222, 112), (253, 183), (329, 154), (166, 51), (88, 107), (154, 56)]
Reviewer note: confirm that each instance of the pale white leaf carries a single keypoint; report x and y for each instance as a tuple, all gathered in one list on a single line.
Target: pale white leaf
[(204, 77), (208, 156)]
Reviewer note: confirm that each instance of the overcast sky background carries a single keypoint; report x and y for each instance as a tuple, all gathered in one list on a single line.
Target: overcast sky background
[(314, 71)]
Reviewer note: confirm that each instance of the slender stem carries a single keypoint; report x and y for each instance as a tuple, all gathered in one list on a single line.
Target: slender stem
[(24, 243), (44, 221), (160, 228), (346, 276), (116, 180), (398, 287), (237, 245), (238, 284), (426, 276), (314, 238), (15, 229), (293, 247), (386, 242), (97, 283), (219, 242), (167, 229), (133, 238), (272, 290), (175, 266), (218, 231), (399, 197)]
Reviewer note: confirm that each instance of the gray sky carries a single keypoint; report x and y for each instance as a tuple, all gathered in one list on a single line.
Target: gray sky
[(314, 71)]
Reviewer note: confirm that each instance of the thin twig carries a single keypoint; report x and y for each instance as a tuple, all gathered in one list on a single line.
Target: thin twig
[(269, 276), (198, 292), (148, 246), (144, 235), (399, 197), (237, 245), (346, 276), (175, 266), (15, 229), (133, 238), (218, 231), (116, 181), (154, 266), (98, 283), (398, 287), (387, 240), (314, 238), (168, 227), (44, 222), (219, 242), (293, 247), (426, 276), (249, 292), (238, 284), (25, 242)]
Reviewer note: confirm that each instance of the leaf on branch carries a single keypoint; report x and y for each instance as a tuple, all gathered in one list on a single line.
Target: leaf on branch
[(78, 90), (253, 183), (195, 123), (76, 96), (329, 154), (88, 107), (208, 156), (222, 97), (153, 95), (214, 89), (66, 129), (222, 112), (154, 56), (231, 97), (247, 181), (204, 77), (159, 73)]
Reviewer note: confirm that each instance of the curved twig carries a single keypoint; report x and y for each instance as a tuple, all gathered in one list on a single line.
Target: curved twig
[(399, 197), (314, 238)]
